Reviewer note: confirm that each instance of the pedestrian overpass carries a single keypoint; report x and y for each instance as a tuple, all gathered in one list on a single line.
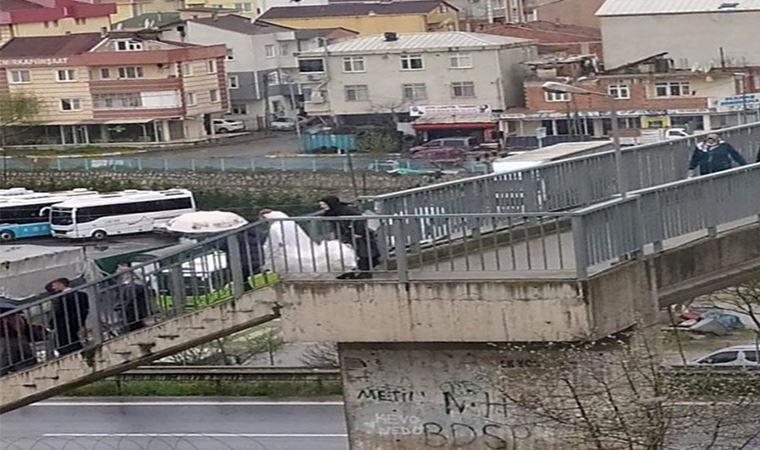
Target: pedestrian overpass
[(552, 253)]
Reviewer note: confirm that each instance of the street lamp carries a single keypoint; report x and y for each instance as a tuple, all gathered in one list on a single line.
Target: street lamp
[(564, 88)]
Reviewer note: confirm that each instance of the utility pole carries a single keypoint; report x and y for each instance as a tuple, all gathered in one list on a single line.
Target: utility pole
[(296, 108), (267, 122)]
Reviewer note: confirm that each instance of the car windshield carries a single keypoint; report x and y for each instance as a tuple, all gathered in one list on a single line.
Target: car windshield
[(61, 216)]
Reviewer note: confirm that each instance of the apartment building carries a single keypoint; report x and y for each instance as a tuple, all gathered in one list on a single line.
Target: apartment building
[(405, 16), (117, 87), (445, 80), (126, 9), (262, 70), (24, 18), (650, 93)]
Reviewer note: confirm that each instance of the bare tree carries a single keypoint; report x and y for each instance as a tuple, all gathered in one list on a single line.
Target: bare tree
[(232, 350), (616, 395), (16, 110), (321, 355)]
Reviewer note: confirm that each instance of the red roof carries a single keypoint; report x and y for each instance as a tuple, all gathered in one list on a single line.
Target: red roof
[(26, 11), (50, 46)]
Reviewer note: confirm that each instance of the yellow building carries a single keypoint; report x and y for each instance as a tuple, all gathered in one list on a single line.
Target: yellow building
[(126, 9), (117, 87), (29, 18), (408, 16)]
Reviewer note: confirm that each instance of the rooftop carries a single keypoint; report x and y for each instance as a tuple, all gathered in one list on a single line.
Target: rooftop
[(429, 41), (12, 5), (50, 46), (240, 24), (148, 21), (354, 9), (648, 7), (544, 32)]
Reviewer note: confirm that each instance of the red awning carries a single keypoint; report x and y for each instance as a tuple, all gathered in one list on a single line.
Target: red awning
[(454, 126)]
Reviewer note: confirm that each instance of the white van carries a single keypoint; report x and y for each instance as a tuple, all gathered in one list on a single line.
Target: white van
[(118, 213)]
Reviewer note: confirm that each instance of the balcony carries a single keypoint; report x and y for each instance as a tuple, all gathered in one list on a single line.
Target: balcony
[(134, 85)]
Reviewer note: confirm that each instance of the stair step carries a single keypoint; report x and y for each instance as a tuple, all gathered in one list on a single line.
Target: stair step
[(168, 336), (29, 385)]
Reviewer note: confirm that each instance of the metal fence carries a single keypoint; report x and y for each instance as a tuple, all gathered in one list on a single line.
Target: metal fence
[(313, 164), (564, 184), (649, 217)]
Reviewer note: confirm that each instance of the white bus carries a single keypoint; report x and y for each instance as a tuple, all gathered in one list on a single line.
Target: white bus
[(118, 213), (26, 216)]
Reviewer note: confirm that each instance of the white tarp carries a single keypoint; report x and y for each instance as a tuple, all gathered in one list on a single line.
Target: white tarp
[(205, 222), (25, 269), (288, 249)]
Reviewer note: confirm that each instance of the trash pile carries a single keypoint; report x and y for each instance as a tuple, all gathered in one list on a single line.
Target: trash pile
[(708, 321)]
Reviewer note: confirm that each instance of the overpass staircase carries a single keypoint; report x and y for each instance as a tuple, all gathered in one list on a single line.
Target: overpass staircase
[(548, 253)]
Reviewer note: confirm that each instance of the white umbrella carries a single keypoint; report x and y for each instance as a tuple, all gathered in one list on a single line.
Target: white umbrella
[(205, 222)]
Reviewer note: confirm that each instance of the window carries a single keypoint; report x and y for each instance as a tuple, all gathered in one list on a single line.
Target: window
[(720, 358), (82, 21), (460, 61), (311, 65), (239, 109), (463, 89), (411, 62), (186, 69), (20, 76), (230, 55), (71, 104), (130, 72), (442, 8), (273, 78), (619, 91), (357, 93), (284, 49), (414, 91), (269, 50), (353, 64), (105, 73), (751, 356), (556, 96), (211, 66), (214, 95), (233, 82), (92, 213), (672, 89), (191, 100), (244, 7), (116, 101), (128, 45), (66, 75)]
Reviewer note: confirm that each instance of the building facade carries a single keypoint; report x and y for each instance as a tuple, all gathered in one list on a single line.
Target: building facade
[(25, 18), (697, 35), (120, 87), (650, 93), (407, 16), (262, 70), (411, 77)]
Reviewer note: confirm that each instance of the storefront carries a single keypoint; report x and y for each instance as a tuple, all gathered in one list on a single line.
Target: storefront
[(482, 126)]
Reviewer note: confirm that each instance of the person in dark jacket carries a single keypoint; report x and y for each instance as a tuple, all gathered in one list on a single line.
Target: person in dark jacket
[(714, 155), (16, 336), (356, 234), (69, 316), (135, 300)]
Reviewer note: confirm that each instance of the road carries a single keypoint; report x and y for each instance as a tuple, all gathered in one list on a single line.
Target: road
[(255, 144), (172, 423)]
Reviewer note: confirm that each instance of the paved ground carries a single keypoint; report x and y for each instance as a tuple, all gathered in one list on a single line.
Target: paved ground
[(254, 144), (195, 423)]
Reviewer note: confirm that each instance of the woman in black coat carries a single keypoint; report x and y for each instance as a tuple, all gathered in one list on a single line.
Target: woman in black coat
[(356, 234)]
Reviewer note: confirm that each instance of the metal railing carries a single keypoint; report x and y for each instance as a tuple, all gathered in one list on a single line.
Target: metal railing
[(649, 217), (374, 163), (216, 373), (564, 184)]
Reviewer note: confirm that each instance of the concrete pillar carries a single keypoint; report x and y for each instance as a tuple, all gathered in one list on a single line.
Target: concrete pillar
[(167, 130), (418, 396), (707, 122), (104, 137)]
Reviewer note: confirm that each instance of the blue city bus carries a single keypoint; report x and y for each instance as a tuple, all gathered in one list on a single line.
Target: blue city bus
[(27, 216)]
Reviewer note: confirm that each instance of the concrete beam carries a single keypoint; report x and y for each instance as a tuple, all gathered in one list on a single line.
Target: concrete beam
[(134, 349)]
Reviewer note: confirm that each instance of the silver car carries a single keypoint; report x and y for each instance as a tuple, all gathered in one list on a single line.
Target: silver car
[(740, 356)]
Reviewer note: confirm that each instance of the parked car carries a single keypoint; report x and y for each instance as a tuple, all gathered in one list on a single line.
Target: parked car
[(463, 143), (440, 154), (283, 124), (227, 126), (737, 356)]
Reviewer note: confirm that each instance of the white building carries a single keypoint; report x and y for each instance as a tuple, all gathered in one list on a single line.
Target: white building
[(390, 75), (261, 64), (697, 34)]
